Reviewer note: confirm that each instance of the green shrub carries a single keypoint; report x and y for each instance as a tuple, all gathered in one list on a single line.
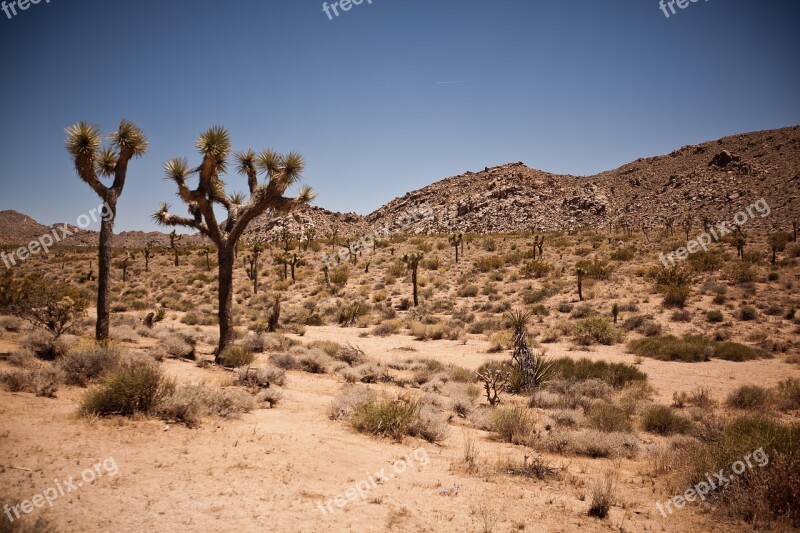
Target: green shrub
[(747, 313), (236, 356), (623, 254), (596, 330), (535, 269), (468, 291), (513, 424), (689, 349), (676, 295), (733, 351), (136, 387), (748, 397), (618, 375), (664, 421), (396, 419), (85, 363), (715, 316), (596, 268), (608, 418)]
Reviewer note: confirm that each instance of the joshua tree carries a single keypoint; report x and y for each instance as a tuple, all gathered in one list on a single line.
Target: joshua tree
[(148, 254), (687, 226), (124, 264), (777, 243), (326, 272), (207, 252), (283, 260), (740, 241), (310, 233), (92, 162), (615, 311), (334, 235), (282, 171), (456, 240), (495, 382), (539, 245), (580, 272), (173, 243), (286, 238), (251, 266), (273, 322), (294, 262), (412, 261)]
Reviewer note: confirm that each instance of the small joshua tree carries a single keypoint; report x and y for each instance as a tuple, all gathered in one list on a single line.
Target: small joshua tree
[(207, 252), (174, 238), (412, 261), (282, 171), (310, 234), (740, 241), (283, 260), (539, 245), (295, 261), (148, 253), (251, 265), (533, 366), (777, 243), (456, 240), (687, 226), (615, 311), (274, 320), (92, 162), (580, 272), (124, 264)]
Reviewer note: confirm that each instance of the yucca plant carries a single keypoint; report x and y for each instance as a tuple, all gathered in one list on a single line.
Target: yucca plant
[(456, 240), (282, 171), (532, 365), (92, 162)]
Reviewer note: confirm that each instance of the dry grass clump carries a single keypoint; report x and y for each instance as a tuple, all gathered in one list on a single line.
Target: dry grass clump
[(313, 361), (602, 497), (608, 418), (44, 345), (260, 377), (175, 346), (236, 356), (135, 387), (346, 403), (749, 397), (588, 443), (39, 378), (596, 330), (690, 349), (664, 421), (514, 424), (189, 403), (765, 493), (87, 362), (618, 375), (531, 466)]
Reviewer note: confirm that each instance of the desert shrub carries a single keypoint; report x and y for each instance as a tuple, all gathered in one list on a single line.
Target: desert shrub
[(675, 295), (788, 394), (596, 330), (602, 497), (664, 421), (582, 311), (670, 348), (45, 345), (706, 261), (390, 327), (589, 443), (741, 272), (747, 313), (87, 362), (681, 315), (733, 351), (715, 316), (175, 346), (39, 379), (513, 424), (607, 417), (748, 397), (47, 303), (535, 269), (313, 361), (188, 403), (331, 348), (489, 263), (136, 387), (766, 490), (395, 419), (352, 397), (352, 355), (260, 377), (236, 356), (623, 254), (285, 361), (596, 268), (468, 291), (618, 375), (565, 307)]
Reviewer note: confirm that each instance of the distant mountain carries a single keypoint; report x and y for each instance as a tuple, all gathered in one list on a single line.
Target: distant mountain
[(714, 180)]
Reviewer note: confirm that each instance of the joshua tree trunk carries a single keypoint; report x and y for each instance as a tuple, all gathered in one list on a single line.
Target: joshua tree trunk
[(414, 282), (104, 271), (580, 286), (225, 256)]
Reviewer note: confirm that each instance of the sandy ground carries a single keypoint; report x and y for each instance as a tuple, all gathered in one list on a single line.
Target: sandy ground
[(282, 469)]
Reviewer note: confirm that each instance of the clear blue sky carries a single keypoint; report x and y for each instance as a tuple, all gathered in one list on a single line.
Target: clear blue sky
[(566, 86)]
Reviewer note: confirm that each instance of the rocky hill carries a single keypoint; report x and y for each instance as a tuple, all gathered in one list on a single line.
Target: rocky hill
[(308, 218), (713, 180)]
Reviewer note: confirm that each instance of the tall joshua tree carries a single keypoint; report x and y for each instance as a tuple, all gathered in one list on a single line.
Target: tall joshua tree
[(412, 261), (281, 171), (456, 240), (92, 162)]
